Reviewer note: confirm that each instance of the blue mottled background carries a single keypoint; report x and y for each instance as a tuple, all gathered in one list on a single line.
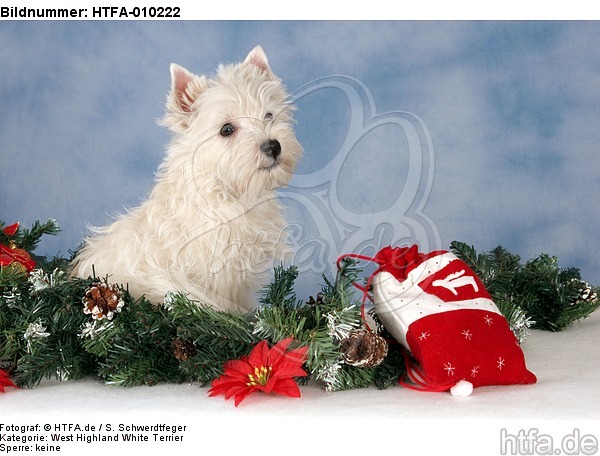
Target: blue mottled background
[(512, 110)]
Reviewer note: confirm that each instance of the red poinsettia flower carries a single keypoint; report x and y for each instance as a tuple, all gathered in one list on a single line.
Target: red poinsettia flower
[(268, 370), (5, 381)]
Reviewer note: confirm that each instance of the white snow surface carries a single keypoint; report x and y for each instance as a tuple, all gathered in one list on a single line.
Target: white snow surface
[(565, 402)]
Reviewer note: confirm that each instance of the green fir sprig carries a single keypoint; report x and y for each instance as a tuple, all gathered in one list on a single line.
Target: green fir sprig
[(45, 333), (217, 336), (539, 290), (28, 239), (43, 337)]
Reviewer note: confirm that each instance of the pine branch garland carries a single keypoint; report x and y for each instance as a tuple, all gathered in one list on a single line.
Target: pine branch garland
[(45, 332), (28, 239), (58, 354), (136, 346), (216, 336), (320, 326), (538, 291)]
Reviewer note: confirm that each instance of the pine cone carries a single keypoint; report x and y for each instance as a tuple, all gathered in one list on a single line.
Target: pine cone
[(182, 349), (102, 300), (8, 364), (312, 302), (586, 293), (363, 348)]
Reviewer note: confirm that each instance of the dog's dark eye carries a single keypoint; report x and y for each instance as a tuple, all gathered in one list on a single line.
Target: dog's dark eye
[(227, 129), (269, 116)]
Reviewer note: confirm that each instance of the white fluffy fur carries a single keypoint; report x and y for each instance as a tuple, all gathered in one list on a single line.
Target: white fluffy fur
[(212, 226)]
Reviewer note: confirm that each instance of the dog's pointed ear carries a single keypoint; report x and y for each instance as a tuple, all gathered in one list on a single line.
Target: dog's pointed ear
[(186, 87), (258, 58)]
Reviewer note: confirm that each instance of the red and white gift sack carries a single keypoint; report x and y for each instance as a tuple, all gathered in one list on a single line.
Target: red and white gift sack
[(440, 311)]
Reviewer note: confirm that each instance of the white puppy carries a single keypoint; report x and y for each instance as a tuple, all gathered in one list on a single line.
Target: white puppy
[(212, 226)]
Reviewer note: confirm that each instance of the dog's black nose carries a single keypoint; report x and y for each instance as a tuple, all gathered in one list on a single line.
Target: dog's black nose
[(272, 148)]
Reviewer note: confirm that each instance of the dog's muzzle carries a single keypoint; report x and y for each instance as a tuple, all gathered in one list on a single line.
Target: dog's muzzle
[(271, 148)]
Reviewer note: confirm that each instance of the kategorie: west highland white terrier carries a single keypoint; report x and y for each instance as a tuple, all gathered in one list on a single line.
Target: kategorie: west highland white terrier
[(212, 226)]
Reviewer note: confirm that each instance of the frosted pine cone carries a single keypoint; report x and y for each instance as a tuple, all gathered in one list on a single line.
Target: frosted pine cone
[(102, 300), (586, 293), (363, 348)]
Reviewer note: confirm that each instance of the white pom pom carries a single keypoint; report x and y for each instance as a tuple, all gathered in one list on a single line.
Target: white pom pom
[(462, 389)]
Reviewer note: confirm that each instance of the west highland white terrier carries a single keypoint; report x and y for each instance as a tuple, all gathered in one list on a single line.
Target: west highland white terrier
[(212, 226)]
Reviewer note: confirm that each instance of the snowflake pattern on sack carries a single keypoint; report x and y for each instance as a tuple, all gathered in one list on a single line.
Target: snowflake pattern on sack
[(443, 314), (484, 354)]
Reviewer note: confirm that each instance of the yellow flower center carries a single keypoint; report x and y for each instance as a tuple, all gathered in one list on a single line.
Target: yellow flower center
[(261, 376)]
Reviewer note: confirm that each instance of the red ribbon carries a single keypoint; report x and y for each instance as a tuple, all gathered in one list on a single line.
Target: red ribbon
[(11, 230), (12, 254)]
